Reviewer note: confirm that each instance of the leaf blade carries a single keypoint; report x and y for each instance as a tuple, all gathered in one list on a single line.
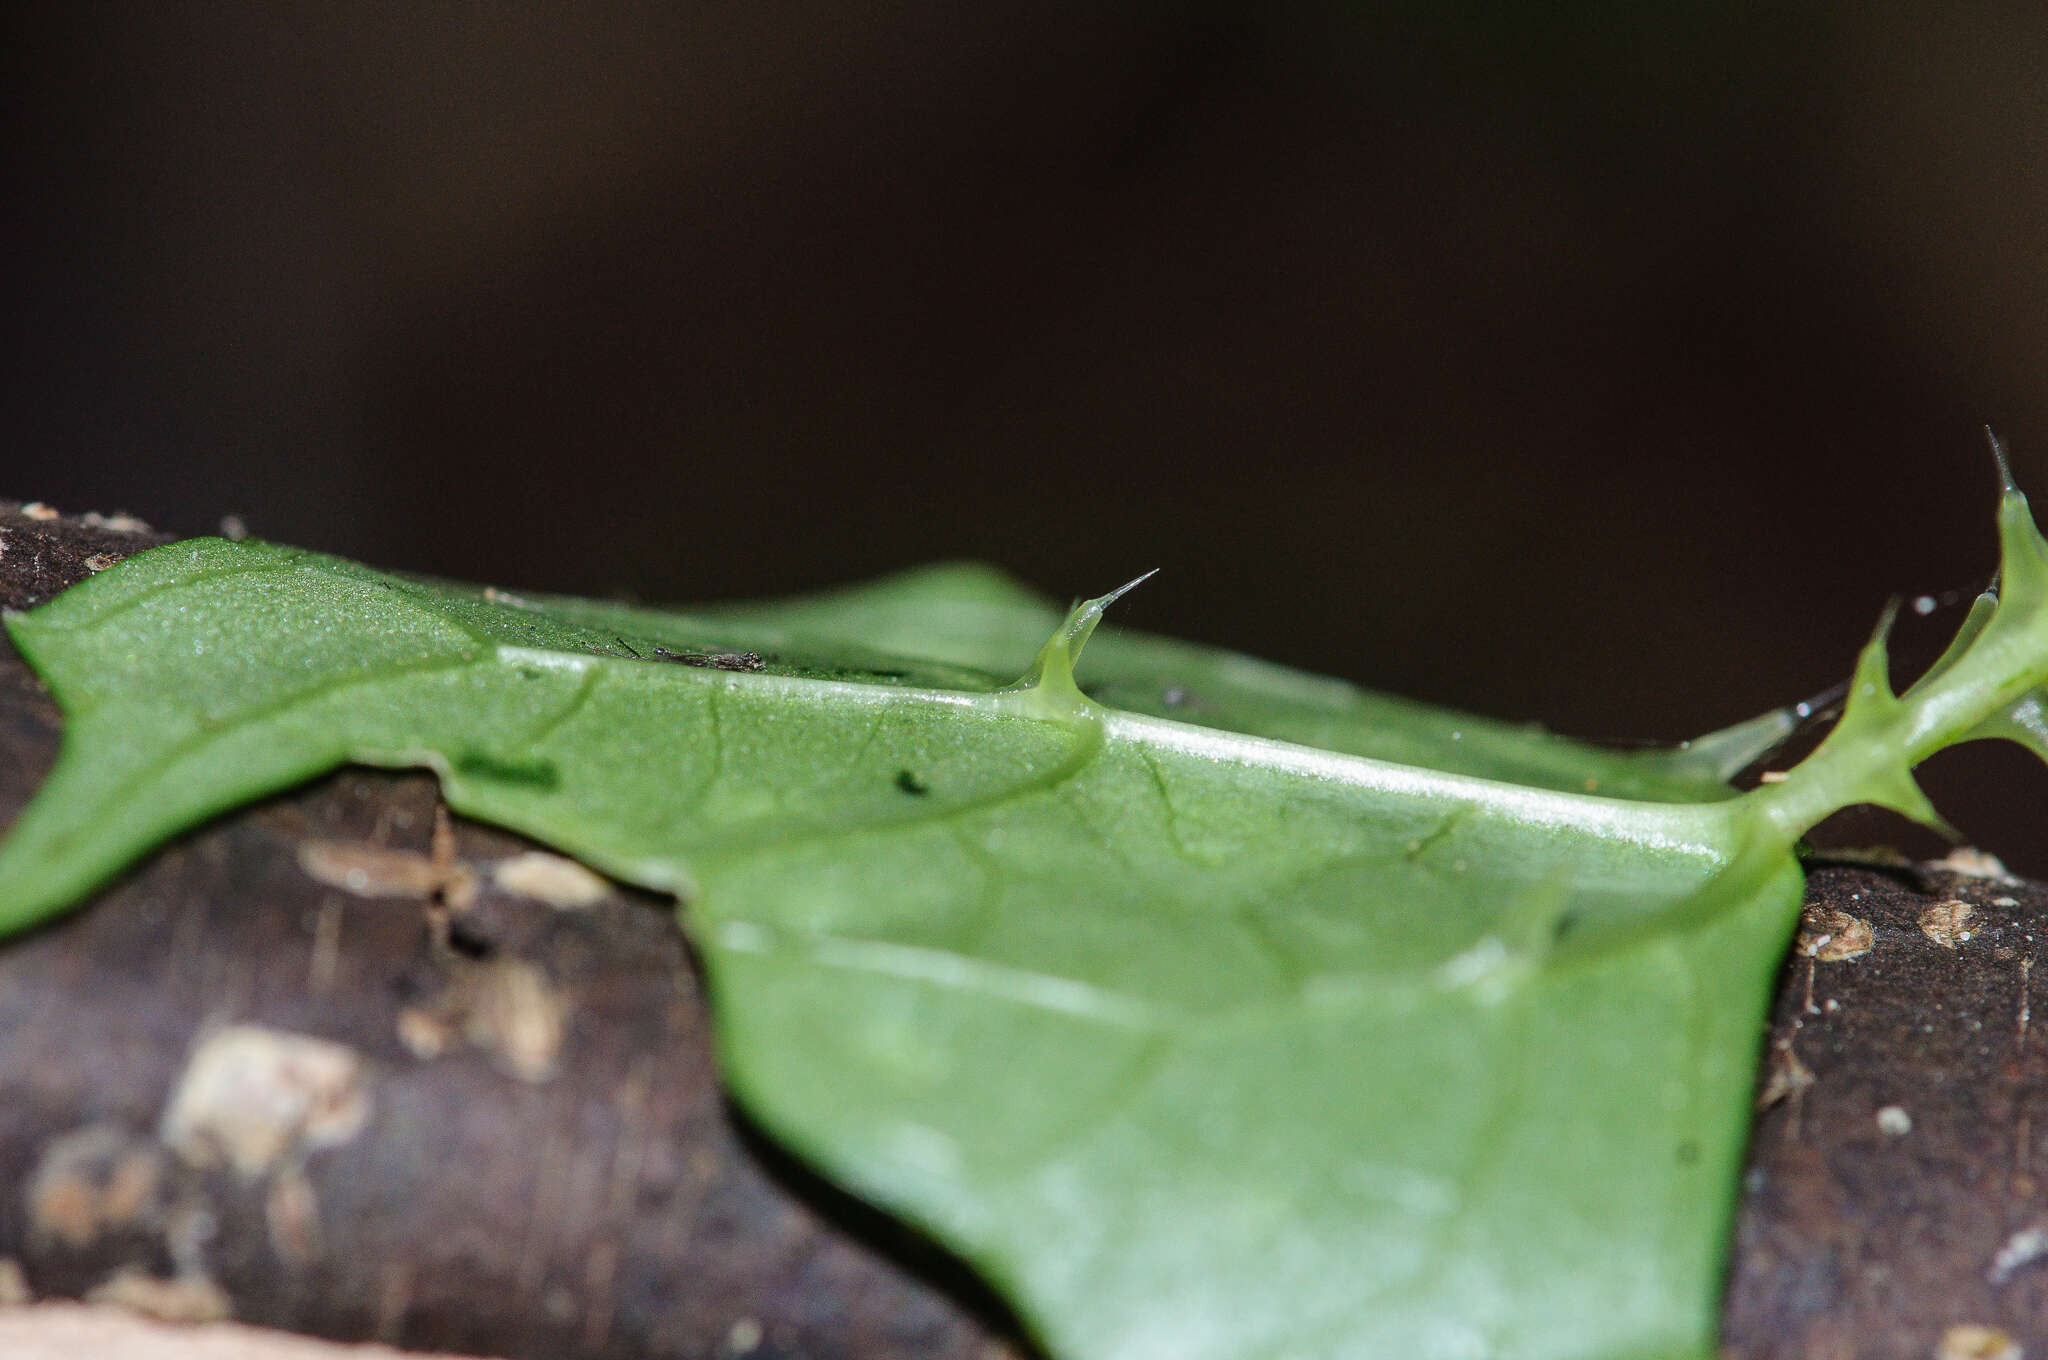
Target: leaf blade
[(1199, 932)]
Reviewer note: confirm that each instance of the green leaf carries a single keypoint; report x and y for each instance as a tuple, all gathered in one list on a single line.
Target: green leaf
[(1210, 1009)]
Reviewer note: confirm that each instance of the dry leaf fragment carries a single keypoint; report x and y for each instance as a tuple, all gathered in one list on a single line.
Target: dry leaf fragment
[(549, 878), (519, 1017), (1974, 1341), (1833, 936), (368, 870), (373, 871), (1971, 862), (1789, 1076), (251, 1096), (1948, 923), (506, 1007)]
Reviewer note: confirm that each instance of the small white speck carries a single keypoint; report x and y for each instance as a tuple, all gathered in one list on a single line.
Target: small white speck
[(1923, 604), (1894, 1122), (2005, 901), (743, 1337), (1831, 1005), (2023, 1246)]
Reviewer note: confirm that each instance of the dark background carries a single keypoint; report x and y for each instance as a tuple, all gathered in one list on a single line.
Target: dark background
[(1604, 364)]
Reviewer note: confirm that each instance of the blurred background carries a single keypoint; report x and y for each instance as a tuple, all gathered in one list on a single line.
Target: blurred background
[(1604, 364)]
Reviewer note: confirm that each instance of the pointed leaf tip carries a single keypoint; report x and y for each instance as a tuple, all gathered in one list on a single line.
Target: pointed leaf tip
[(1871, 685), (1898, 790), (2022, 553), (1972, 627)]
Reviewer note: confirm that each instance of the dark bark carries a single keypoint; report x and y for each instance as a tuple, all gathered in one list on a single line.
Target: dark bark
[(1895, 1185), (516, 1143)]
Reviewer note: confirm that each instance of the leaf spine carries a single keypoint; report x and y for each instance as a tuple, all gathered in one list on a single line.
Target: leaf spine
[(1048, 689)]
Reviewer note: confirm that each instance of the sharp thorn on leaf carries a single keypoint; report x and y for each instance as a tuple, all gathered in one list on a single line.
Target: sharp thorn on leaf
[(1998, 454), (1105, 601)]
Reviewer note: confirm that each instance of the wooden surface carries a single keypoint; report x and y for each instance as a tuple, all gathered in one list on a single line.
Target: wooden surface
[(488, 1119)]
